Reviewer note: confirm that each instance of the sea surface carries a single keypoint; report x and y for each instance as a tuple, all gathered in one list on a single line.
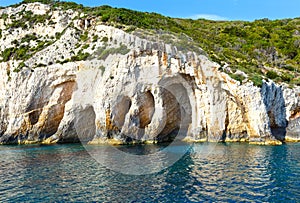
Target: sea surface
[(207, 172)]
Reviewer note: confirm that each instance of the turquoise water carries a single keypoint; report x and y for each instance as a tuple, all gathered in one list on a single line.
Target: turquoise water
[(222, 172)]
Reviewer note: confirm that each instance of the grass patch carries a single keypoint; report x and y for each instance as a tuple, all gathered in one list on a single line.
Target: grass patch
[(103, 53)]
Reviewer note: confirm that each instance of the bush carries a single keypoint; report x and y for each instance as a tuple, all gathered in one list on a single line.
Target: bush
[(21, 53), (16, 24), (85, 46), (28, 38), (4, 16), (84, 36), (257, 80), (239, 78), (287, 77), (243, 45), (95, 38), (21, 65), (289, 67), (272, 75), (80, 56), (6, 54), (104, 39)]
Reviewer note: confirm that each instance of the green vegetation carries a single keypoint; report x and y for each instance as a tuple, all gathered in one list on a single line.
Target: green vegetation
[(95, 38), (102, 53), (104, 39), (85, 46), (239, 78), (20, 53), (257, 80), (84, 37), (81, 56), (28, 38), (257, 48), (272, 74), (8, 74), (247, 46), (287, 77), (21, 65), (28, 19), (7, 53), (22, 50), (4, 16)]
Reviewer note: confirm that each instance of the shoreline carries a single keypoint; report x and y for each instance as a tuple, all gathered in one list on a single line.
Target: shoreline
[(115, 142)]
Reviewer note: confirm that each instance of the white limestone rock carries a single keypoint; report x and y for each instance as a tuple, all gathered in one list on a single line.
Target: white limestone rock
[(130, 90)]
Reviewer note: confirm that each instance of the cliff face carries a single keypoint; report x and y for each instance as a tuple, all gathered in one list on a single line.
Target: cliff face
[(129, 90)]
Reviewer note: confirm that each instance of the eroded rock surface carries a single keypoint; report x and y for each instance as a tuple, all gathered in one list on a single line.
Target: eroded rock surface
[(132, 90)]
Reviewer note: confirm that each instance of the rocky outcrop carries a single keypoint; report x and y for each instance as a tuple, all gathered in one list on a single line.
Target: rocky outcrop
[(33, 103), (133, 90)]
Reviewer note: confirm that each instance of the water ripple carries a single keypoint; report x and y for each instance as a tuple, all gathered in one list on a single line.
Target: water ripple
[(213, 173)]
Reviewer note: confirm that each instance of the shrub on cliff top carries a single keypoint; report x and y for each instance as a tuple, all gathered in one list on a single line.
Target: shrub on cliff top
[(242, 45), (272, 74), (257, 80)]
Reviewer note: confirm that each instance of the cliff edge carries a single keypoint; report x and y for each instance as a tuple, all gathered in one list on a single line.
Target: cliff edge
[(66, 77)]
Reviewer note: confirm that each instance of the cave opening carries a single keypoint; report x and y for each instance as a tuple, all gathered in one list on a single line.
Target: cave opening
[(178, 111), (146, 109), (120, 110)]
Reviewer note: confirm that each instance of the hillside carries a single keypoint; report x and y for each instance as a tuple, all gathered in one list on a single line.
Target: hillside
[(260, 49)]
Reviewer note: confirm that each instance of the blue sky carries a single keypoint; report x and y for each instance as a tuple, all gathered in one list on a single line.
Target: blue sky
[(211, 9)]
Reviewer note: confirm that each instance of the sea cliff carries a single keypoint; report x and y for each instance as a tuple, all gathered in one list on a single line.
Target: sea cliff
[(83, 80)]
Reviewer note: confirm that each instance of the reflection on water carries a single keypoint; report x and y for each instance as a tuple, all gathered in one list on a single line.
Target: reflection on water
[(138, 160), (222, 172)]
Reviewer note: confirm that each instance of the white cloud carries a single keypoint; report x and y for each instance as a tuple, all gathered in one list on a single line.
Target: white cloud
[(208, 17)]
